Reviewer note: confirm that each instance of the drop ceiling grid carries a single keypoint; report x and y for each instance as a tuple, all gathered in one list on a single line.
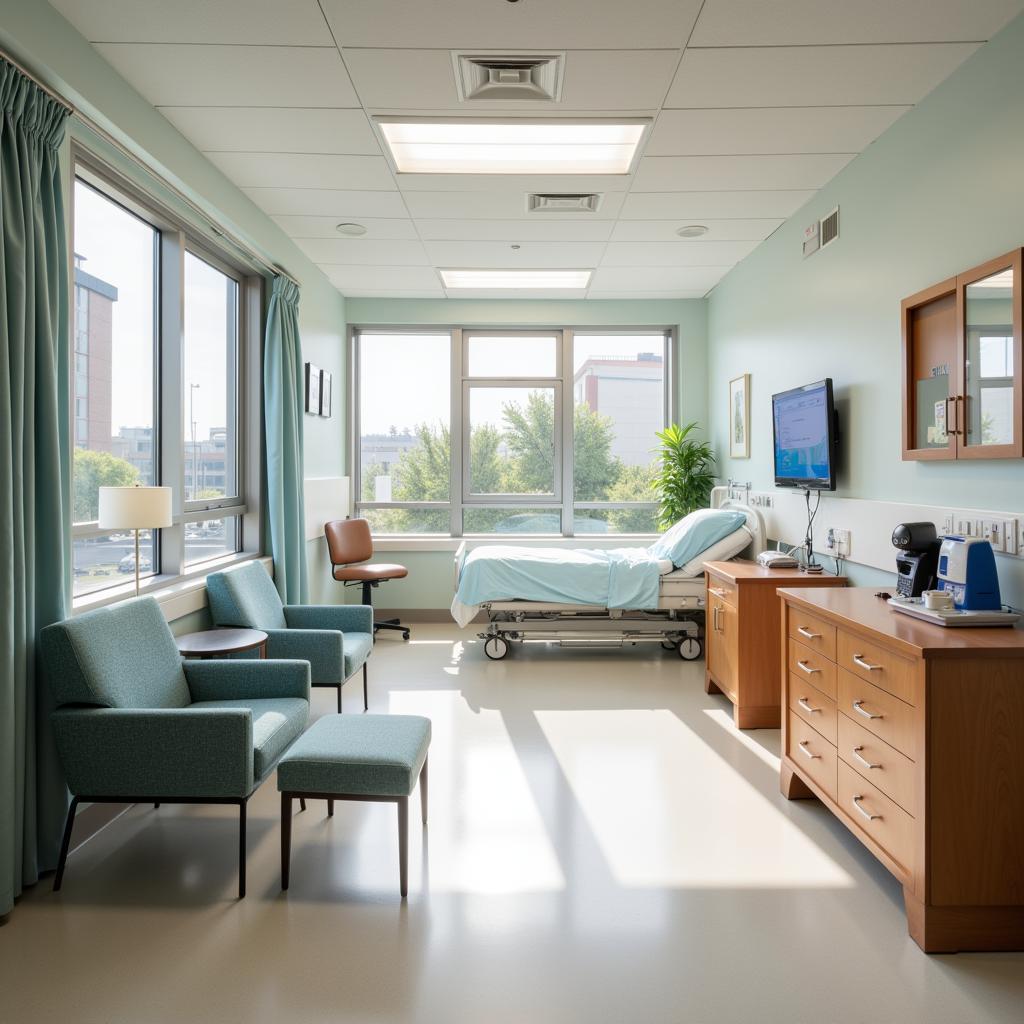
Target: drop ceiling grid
[(753, 106)]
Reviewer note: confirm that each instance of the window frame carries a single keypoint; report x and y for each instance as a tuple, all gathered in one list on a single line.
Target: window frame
[(460, 497)]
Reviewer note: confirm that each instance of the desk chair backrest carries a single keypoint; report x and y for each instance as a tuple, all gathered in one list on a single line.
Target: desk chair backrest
[(349, 541), (246, 597)]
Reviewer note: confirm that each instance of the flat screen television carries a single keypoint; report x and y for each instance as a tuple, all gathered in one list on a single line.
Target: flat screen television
[(805, 434)]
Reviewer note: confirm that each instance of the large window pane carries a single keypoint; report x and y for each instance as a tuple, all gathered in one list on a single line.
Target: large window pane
[(512, 440), (407, 520), (518, 355), (404, 417), (512, 520), (614, 520), (211, 538), (619, 405), (109, 559), (210, 382)]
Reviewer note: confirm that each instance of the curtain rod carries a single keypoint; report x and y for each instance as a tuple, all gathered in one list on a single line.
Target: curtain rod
[(111, 140)]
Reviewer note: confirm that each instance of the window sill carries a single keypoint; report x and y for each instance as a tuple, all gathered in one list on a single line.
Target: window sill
[(176, 595), (423, 542)]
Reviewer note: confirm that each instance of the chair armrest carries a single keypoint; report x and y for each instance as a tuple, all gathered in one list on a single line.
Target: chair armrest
[(156, 752), (322, 648), (237, 680), (349, 618)]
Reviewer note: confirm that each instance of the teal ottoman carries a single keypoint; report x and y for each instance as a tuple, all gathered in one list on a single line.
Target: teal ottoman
[(341, 757)]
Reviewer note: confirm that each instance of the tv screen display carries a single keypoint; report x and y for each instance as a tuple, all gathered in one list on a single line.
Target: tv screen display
[(804, 421)]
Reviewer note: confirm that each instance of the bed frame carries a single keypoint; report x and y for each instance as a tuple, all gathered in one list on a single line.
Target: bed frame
[(677, 623)]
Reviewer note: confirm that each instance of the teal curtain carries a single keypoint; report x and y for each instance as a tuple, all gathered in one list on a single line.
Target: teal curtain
[(283, 406), (35, 471)]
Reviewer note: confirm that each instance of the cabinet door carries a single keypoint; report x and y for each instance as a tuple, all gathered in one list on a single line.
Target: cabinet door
[(723, 645)]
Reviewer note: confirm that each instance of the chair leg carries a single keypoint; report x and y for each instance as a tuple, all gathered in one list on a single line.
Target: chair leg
[(69, 825), (156, 806), (339, 698), (403, 846), (366, 699), (423, 790), (286, 837), (302, 803), (241, 850), (330, 808)]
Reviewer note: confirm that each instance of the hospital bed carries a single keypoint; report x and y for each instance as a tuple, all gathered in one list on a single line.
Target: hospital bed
[(672, 615)]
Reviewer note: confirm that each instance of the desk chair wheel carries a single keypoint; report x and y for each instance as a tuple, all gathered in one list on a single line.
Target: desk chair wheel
[(496, 648), (690, 649)]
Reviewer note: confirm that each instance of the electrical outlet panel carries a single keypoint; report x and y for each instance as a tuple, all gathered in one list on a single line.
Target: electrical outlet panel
[(947, 524), (1006, 535)]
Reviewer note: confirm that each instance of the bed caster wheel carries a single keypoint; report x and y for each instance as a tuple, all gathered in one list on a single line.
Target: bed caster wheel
[(405, 634), (668, 645), (690, 649), (496, 648)]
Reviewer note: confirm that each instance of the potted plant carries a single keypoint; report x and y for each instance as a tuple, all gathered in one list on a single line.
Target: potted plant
[(685, 473)]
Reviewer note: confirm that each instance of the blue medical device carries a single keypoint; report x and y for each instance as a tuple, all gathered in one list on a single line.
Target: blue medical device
[(967, 568)]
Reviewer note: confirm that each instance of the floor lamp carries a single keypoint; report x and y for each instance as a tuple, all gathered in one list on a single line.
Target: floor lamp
[(135, 508)]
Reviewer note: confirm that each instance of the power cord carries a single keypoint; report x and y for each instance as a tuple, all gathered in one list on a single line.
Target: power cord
[(809, 536)]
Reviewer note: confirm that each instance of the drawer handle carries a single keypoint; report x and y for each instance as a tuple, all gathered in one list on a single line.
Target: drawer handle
[(804, 631), (864, 814), (718, 592), (858, 659), (807, 668), (863, 760), (802, 701), (714, 618), (858, 706), (806, 752)]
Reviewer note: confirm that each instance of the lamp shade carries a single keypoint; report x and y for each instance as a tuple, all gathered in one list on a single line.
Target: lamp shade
[(134, 508)]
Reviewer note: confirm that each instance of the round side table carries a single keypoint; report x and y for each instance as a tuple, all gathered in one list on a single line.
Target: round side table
[(219, 643)]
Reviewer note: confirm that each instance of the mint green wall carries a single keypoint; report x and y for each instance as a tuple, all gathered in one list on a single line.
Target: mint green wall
[(37, 36), (938, 193)]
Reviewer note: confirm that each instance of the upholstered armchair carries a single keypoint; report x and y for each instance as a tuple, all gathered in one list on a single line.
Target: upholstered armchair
[(135, 723), (335, 639)]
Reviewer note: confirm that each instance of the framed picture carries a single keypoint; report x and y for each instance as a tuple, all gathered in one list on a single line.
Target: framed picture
[(312, 389), (326, 380), (739, 417)]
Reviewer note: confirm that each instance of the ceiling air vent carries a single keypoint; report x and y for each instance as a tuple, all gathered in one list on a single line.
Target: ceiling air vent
[(830, 227), (563, 202), (509, 77)]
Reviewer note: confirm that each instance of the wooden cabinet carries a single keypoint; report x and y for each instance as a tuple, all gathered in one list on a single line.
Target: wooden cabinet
[(920, 755), (742, 636), (963, 382)]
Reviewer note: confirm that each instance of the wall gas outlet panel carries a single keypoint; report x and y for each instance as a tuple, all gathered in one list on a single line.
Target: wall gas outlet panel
[(812, 239)]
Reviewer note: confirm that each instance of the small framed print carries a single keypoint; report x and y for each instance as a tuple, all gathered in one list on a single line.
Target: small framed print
[(739, 417), (313, 389), (326, 381)]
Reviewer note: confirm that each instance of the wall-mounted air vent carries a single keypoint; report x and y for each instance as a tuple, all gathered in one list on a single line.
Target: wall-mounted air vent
[(563, 202), (509, 76), (830, 227)]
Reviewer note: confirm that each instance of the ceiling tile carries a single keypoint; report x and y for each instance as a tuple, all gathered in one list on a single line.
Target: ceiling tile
[(770, 130), (788, 76), (517, 183), (750, 229), (509, 205), (297, 23), (282, 129), (604, 80), (304, 170), (597, 295), (359, 280), (625, 279), (688, 207), (364, 252), (536, 230), (233, 76), (468, 23), (805, 22), (326, 227), (437, 292), (693, 173), (680, 253), (532, 255), (338, 204)]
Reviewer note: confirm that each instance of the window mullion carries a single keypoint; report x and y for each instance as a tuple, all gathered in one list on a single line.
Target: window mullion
[(458, 445), (568, 406), (170, 419)]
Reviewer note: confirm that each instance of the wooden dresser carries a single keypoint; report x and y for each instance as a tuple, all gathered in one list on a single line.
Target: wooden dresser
[(742, 636), (913, 736)]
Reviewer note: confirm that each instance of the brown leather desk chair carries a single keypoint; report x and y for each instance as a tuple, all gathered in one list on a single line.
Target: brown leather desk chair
[(351, 545)]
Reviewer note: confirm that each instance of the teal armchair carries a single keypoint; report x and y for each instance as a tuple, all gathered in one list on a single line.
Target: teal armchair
[(135, 723), (335, 639)]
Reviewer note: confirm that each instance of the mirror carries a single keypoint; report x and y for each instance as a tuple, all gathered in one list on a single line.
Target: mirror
[(989, 391)]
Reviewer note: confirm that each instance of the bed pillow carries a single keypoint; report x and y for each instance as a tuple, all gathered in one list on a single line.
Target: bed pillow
[(695, 533), (728, 547)]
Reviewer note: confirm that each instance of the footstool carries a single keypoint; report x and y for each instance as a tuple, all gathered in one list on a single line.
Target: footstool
[(344, 757)]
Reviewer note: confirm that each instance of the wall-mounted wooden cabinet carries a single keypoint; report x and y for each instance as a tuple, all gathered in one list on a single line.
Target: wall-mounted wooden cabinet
[(963, 386)]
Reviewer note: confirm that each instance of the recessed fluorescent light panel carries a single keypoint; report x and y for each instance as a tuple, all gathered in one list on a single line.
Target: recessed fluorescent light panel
[(512, 146), (512, 279)]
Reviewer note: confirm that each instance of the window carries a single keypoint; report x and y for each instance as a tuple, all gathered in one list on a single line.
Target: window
[(553, 429), (141, 281)]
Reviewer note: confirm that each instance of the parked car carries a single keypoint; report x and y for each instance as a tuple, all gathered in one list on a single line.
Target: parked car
[(127, 564)]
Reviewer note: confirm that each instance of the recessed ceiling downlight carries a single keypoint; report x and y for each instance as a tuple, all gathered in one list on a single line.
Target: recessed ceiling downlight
[(351, 229), (692, 231)]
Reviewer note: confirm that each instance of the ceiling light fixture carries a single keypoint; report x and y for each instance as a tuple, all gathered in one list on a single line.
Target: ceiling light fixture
[(692, 231), (351, 229), (424, 145), (512, 279)]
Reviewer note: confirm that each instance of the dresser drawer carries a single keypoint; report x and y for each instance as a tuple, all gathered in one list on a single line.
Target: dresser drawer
[(878, 712), (812, 754), (884, 766), (877, 665), (810, 704), (812, 667), (724, 590), (877, 816), (813, 632)]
